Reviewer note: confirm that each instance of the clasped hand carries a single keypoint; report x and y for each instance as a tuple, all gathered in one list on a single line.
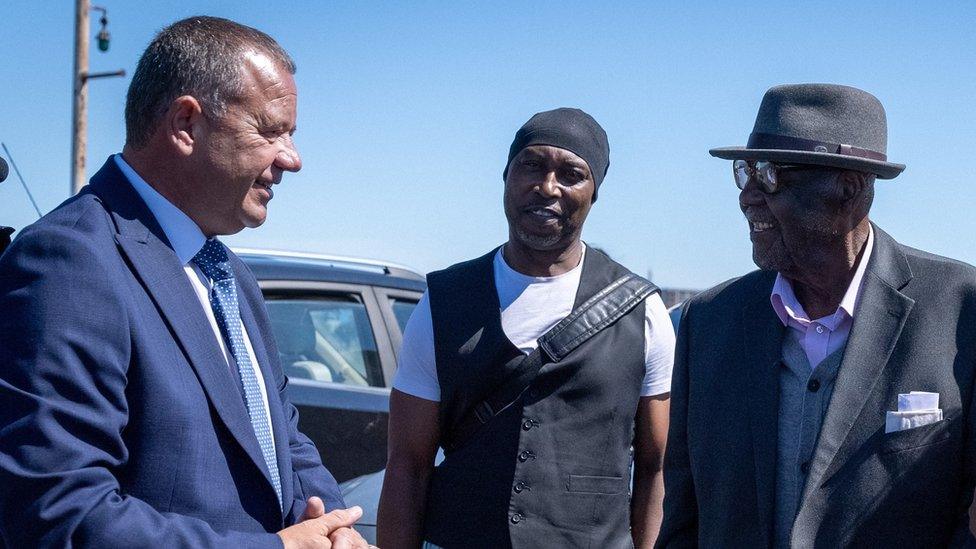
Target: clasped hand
[(317, 529)]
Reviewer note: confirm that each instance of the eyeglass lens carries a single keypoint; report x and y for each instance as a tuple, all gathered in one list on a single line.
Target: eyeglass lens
[(764, 172)]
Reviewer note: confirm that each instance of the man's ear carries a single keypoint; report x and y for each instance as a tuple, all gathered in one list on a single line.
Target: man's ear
[(858, 194), (183, 123), (853, 186)]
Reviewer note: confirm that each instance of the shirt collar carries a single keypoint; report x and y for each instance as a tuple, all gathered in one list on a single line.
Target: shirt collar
[(183, 234), (528, 279), (788, 307)]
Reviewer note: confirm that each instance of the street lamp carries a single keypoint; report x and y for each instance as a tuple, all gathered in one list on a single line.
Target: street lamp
[(103, 36), (79, 111)]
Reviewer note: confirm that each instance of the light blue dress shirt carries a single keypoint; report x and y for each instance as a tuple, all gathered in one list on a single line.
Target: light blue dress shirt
[(183, 234)]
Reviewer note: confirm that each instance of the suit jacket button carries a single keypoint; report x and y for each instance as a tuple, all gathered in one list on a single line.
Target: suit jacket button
[(813, 386), (516, 518), (805, 467)]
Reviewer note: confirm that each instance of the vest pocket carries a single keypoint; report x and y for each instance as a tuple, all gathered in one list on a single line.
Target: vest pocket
[(595, 485)]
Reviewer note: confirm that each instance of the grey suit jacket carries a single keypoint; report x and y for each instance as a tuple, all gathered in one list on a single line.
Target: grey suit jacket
[(914, 330)]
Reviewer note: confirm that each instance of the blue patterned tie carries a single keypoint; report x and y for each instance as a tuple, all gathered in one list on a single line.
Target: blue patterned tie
[(212, 260)]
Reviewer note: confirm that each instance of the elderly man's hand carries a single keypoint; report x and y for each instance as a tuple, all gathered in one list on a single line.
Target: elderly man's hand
[(320, 530)]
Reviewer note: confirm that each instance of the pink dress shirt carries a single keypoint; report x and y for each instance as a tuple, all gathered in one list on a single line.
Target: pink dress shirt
[(821, 336)]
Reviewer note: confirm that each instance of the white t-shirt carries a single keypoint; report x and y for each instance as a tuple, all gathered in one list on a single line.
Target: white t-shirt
[(530, 306)]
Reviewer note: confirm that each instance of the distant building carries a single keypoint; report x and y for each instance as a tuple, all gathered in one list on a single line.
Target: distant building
[(673, 296)]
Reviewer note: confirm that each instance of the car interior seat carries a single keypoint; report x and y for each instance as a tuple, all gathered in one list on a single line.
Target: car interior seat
[(296, 347)]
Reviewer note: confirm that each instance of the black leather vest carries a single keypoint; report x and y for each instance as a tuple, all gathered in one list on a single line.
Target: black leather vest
[(554, 469)]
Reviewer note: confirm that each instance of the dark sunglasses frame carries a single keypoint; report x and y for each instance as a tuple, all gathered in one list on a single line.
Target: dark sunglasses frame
[(766, 173)]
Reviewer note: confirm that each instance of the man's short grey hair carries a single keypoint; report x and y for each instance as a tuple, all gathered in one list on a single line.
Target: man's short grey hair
[(199, 56)]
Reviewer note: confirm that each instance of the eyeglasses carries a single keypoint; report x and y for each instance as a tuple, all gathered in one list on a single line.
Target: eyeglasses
[(766, 173)]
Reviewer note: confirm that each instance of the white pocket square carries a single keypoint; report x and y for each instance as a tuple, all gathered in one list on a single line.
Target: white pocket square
[(915, 409)]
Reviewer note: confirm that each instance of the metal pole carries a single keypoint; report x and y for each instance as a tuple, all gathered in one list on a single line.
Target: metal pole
[(79, 111)]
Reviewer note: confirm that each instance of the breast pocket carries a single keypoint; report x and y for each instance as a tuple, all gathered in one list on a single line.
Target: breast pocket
[(917, 437), (587, 484)]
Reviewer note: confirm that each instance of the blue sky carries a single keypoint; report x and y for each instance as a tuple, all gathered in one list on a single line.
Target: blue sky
[(406, 111)]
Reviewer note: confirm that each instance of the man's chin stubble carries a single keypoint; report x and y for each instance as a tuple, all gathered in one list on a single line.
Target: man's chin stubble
[(537, 242), (768, 262)]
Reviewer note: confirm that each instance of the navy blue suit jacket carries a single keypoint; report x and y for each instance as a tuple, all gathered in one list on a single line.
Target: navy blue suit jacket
[(120, 421)]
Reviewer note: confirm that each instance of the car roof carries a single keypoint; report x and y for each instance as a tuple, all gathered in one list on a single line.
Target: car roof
[(301, 266)]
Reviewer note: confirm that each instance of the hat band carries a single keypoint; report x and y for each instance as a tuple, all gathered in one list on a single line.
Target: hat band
[(786, 142)]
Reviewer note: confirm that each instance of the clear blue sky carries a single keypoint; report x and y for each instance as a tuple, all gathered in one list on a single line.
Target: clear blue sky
[(406, 111)]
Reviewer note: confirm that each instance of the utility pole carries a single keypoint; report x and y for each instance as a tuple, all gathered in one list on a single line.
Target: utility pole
[(79, 111)]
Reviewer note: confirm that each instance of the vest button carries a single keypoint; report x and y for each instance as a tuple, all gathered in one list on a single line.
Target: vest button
[(525, 455), (516, 518), (519, 486), (805, 467), (527, 424), (813, 386)]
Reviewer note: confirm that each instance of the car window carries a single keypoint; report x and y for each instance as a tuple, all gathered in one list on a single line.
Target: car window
[(402, 309), (327, 339)]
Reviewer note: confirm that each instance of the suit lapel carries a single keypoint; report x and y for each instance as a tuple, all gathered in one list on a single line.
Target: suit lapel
[(878, 321), (153, 261), (761, 352)]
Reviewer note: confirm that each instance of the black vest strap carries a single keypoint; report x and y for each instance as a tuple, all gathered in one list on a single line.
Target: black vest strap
[(600, 311)]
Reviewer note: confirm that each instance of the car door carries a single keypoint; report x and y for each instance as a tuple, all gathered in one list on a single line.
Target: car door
[(396, 306), (335, 348)]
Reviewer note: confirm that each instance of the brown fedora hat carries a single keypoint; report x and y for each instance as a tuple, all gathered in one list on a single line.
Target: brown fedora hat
[(820, 124)]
